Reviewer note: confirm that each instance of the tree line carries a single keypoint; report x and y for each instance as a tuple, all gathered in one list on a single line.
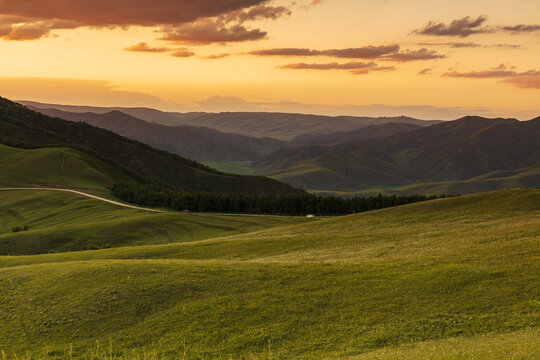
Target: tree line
[(154, 196)]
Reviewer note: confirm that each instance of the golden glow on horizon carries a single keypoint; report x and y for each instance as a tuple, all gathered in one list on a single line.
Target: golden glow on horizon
[(160, 80)]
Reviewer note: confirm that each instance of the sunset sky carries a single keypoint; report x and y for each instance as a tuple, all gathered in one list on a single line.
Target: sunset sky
[(423, 58)]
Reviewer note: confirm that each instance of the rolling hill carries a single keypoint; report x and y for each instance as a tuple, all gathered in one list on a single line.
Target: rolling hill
[(451, 152), (451, 279), (23, 128), (192, 142), (61, 222)]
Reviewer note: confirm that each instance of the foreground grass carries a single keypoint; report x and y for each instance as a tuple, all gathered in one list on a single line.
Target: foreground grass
[(523, 344), (448, 279), (63, 222)]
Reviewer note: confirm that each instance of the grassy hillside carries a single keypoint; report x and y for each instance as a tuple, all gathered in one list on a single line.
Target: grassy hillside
[(58, 166), (65, 222), (460, 275), (520, 178), (23, 128)]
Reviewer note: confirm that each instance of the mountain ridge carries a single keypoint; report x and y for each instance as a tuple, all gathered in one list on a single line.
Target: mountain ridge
[(24, 128)]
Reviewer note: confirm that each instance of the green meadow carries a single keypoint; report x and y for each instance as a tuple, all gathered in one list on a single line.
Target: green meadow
[(60, 222), (455, 278)]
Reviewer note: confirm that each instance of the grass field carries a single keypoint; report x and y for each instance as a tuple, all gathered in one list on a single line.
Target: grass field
[(455, 278), (65, 222)]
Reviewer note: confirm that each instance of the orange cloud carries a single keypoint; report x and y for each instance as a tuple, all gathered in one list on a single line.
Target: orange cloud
[(527, 79), (355, 67), (183, 53), (215, 57), (144, 47)]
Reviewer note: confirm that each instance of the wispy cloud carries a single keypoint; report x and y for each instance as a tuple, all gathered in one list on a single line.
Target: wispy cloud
[(522, 28), (461, 27), (526, 79), (384, 52), (355, 67)]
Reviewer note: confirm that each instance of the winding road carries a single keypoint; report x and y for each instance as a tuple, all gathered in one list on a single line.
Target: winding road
[(83, 194)]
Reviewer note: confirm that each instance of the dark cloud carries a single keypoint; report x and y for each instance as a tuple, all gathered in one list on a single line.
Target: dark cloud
[(527, 79), (122, 12), (521, 28), (144, 47), (256, 13), (414, 55), (355, 67), (209, 31), (201, 21), (228, 27), (424, 72), (183, 53), (460, 27)]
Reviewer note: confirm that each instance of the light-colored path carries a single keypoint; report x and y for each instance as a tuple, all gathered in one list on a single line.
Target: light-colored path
[(83, 194)]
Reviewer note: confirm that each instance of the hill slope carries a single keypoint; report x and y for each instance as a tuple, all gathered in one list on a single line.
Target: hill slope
[(56, 166), (452, 151), (193, 142), (60, 222), (21, 127), (368, 132), (458, 273)]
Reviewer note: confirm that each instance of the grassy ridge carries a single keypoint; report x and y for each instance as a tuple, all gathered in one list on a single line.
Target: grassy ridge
[(66, 222), (401, 281)]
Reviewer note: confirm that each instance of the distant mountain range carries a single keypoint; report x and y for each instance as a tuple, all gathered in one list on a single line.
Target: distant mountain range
[(21, 127), (340, 154), (281, 126)]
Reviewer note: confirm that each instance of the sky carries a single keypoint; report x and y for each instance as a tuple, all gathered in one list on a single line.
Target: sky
[(428, 59)]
